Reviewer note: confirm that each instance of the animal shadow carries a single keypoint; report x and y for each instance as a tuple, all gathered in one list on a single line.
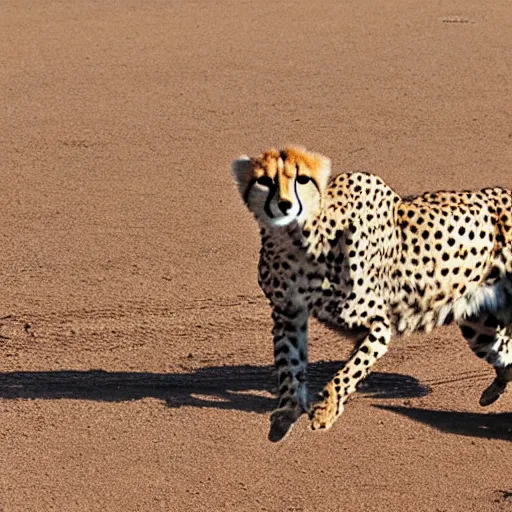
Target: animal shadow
[(242, 387), (486, 425)]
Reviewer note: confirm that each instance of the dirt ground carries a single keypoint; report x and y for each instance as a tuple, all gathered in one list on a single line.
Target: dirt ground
[(135, 350)]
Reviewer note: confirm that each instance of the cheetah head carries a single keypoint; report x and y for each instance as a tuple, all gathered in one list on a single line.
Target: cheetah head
[(281, 187)]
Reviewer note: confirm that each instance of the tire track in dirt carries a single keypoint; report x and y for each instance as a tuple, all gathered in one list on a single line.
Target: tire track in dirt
[(460, 377)]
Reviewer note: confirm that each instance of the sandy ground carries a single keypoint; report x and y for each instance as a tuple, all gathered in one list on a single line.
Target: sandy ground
[(135, 351)]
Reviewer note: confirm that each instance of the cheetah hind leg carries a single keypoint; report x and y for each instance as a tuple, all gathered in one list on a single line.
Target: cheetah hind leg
[(492, 343), (497, 387)]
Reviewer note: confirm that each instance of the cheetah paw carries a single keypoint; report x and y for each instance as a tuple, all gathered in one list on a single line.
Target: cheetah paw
[(281, 422), (493, 392), (326, 412)]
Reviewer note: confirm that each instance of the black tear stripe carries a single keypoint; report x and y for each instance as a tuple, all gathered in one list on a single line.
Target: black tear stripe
[(248, 191), (271, 194), (311, 178), (298, 198)]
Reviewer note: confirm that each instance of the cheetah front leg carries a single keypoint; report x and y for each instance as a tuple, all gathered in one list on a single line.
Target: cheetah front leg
[(290, 356), (344, 383)]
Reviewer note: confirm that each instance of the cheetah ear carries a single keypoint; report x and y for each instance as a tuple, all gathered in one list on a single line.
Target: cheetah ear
[(241, 169)]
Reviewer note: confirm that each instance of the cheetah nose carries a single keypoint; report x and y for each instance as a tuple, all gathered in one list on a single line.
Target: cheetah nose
[(284, 206)]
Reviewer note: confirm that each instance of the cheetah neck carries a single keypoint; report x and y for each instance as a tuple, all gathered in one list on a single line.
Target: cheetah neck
[(316, 236)]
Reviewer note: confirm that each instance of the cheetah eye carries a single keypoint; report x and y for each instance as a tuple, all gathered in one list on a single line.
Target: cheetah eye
[(265, 181), (303, 179)]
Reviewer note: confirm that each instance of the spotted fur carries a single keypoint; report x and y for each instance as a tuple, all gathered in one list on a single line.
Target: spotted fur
[(354, 254)]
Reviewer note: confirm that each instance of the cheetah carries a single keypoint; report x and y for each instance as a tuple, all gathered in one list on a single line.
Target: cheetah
[(352, 253)]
